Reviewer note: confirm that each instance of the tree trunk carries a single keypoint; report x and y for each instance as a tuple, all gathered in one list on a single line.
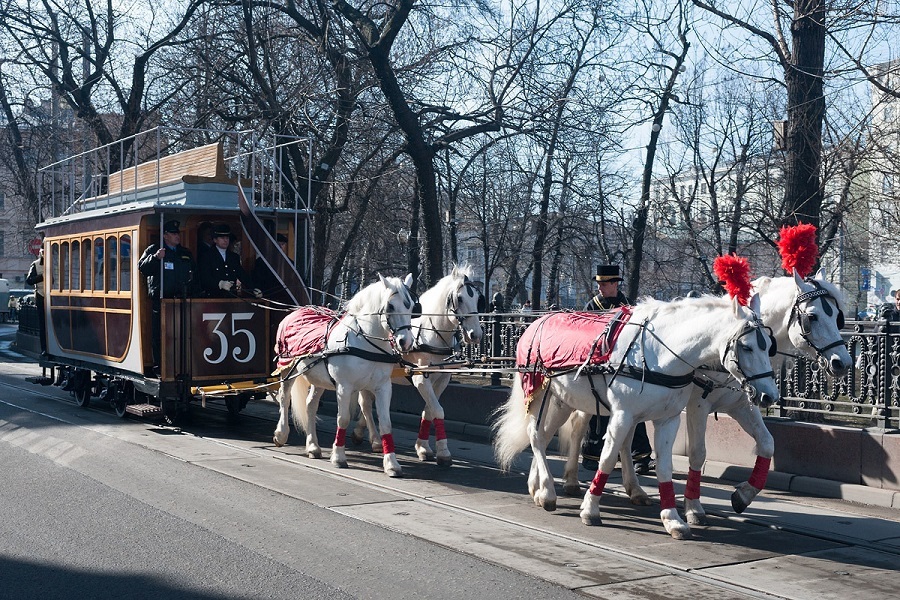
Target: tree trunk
[(806, 112)]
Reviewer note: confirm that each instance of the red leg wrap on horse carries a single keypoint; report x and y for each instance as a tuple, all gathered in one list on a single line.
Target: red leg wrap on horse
[(340, 438), (439, 432), (760, 472), (666, 495), (424, 429), (387, 443), (692, 489), (598, 483)]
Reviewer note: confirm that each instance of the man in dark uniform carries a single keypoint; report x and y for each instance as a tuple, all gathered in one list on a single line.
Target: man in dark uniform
[(609, 296), (177, 266), (221, 272), (35, 277)]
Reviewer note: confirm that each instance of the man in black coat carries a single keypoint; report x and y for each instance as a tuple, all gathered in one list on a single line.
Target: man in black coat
[(221, 272), (175, 264), (608, 297)]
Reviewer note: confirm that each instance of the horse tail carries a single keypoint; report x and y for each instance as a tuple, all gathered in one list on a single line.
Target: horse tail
[(572, 431), (511, 426), (299, 393)]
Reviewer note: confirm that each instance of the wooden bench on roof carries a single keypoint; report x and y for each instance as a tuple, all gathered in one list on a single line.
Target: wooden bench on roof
[(205, 164)]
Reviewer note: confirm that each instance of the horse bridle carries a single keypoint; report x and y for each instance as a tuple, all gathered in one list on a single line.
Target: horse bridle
[(453, 308), (731, 348), (473, 291), (409, 303), (805, 319)]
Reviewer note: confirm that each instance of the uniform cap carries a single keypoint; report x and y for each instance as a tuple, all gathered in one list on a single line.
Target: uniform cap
[(221, 230), (172, 226)]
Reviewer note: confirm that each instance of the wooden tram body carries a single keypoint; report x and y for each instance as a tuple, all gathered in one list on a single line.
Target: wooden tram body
[(97, 310)]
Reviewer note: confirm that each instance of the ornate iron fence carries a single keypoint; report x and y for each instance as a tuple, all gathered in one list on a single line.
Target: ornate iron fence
[(868, 396)]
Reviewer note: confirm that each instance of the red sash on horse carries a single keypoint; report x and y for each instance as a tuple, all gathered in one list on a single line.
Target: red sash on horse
[(567, 340), (303, 332)]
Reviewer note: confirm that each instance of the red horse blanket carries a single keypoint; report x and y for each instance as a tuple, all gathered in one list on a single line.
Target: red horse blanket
[(303, 332), (567, 340)]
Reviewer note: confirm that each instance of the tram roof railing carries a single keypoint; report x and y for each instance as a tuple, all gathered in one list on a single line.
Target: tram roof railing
[(173, 167)]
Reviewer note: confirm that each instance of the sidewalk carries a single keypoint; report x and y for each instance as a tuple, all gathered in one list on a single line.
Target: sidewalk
[(853, 498)]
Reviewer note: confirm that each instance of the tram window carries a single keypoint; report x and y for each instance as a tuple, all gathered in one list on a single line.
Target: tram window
[(54, 267), (98, 264), (86, 264), (125, 263), (113, 258), (64, 265), (76, 265)]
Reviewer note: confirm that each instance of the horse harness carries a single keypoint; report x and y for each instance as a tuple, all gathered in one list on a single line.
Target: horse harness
[(450, 348), (381, 356), (673, 381)]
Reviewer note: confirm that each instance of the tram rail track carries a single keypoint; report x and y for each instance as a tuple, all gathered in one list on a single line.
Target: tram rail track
[(533, 528)]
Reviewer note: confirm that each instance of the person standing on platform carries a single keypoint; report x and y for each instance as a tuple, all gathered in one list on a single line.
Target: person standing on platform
[(177, 265), (221, 272), (608, 297), (35, 277)]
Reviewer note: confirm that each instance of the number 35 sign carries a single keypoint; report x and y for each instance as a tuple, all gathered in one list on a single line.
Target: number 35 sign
[(227, 340)]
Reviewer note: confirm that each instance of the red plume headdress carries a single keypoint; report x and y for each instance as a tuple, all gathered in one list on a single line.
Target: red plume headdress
[(734, 271), (798, 249)]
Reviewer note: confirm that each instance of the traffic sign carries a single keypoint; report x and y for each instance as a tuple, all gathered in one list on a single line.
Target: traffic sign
[(35, 245)]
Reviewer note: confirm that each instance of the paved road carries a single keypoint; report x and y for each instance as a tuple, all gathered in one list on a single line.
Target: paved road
[(215, 510)]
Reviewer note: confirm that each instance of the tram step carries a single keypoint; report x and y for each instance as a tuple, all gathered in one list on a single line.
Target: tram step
[(143, 410)]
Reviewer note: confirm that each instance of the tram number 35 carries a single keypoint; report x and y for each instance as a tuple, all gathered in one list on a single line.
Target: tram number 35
[(236, 335)]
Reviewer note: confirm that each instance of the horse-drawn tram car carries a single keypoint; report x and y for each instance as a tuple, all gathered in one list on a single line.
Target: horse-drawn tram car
[(98, 314)]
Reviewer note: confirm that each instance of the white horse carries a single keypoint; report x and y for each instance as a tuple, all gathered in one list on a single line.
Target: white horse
[(451, 305), (360, 351), (806, 315), (668, 342)]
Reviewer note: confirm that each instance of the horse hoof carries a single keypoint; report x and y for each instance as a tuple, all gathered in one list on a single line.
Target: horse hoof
[(681, 534), (314, 454), (342, 464), (591, 520), (425, 456), (394, 473), (357, 440), (444, 461), (696, 518), (573, 490), (277, 443), (642, 500), (737, 503), (549, 505)]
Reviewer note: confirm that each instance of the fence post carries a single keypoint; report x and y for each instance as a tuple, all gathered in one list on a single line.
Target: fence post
[(496, 334)]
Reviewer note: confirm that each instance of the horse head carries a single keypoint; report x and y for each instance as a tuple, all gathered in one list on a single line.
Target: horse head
[(396, 310), (747, 355), (465, 301), (816, 321)]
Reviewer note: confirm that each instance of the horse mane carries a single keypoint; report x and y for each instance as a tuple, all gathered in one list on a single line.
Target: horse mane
[(660, 307), (761, 284), (372, 298), (434, 299)]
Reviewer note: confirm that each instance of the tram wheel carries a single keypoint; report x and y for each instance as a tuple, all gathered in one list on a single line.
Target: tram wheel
[(82, 388), (235, 404), (175, 412), (119, 399), (83, 396)]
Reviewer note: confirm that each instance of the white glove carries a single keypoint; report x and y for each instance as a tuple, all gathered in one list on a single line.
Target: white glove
[(257, 292), (226, 285)]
